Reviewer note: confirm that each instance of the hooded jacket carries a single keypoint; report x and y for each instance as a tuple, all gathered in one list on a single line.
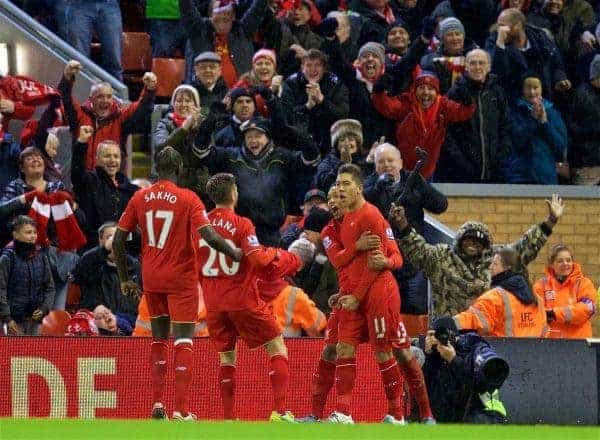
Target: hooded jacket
[(537, 147), (109, 127), (509, 309), (574, 303), (456, 279), (413, 131), (475, 150)]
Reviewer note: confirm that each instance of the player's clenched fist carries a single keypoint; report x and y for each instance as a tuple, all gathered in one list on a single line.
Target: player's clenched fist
[(348, 302)]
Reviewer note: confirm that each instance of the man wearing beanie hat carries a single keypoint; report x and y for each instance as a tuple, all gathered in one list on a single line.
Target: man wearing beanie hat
[(224, 33), (583, 122), (448, 62), (346, 147), (243, 107), (266, 174), (422, 116)]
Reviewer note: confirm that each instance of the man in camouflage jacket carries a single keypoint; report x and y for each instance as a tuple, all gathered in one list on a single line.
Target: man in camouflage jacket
[(461, 272)]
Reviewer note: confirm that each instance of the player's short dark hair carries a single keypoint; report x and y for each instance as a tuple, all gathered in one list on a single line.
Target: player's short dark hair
[(168, 162), (104, 226), (23, 220), (353, 170), (219, 188)]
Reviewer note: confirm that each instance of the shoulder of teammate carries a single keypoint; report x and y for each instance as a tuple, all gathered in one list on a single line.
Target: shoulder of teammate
[(128, 220), (197, 209), (329, 234), (246, 235)]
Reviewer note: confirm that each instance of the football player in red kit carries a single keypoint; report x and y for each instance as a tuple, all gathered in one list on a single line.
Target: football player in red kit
[(370, 303), (169, 217), (234, 308)]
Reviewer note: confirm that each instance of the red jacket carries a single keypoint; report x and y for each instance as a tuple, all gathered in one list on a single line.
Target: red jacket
[(411, 132), (107, 128)]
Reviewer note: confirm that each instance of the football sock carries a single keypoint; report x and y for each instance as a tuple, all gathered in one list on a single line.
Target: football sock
[(158, 366), (227, 385), (322, 382), (416, 383), (345, 375), (279, 375), (392, 384), (183, 374)]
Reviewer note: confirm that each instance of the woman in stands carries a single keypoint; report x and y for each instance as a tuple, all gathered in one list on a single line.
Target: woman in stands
[(569, 297), (178, 128)]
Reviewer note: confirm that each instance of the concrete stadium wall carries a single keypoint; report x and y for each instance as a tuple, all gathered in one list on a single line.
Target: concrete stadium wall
[(509, 217)]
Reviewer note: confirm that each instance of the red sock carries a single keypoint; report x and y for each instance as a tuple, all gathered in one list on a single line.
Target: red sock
[(227, 385), (279, 374), (158, 367), (183, 374), (416, 383), (345, 375), (392, 384), (322, 382)]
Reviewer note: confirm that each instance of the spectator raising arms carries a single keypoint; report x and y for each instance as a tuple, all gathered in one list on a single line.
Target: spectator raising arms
[(569, 297), (102, 111), (422, 116)]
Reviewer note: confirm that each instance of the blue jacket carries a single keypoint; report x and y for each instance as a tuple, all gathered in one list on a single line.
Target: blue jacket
[(536, 146)]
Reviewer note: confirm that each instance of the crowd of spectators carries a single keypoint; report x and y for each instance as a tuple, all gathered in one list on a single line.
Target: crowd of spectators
[(281, 94)]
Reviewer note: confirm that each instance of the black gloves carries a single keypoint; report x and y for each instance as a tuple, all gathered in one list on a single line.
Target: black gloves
[(383, 84), (328, 27), (428, 26), (386, 180), (266, 93), (550, 316)]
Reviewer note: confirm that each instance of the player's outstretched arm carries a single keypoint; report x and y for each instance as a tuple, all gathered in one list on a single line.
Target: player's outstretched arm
[(128, 287), (219, 244)]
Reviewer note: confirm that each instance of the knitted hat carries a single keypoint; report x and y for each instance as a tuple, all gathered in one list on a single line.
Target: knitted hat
[(376, 49), (450, 24), (344, 127), (223, 6), (189, 89), (238, 92), (316, 219), (314, 193), (207, 56), (398, 23), (265, 53), (429, 78), (595, 68)]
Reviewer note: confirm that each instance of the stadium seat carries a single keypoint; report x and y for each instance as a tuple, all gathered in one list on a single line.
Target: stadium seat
[(55, 323), (137, 53), (170, 73), (415, 325)]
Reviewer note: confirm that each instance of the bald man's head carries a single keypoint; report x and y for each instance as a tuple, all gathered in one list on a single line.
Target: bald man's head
[(478, 65)]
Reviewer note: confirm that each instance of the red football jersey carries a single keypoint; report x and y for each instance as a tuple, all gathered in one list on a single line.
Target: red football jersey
[(366, 218), (169, 218), (229, 285)]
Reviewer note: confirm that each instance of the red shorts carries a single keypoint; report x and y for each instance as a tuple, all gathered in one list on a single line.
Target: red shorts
[(255, 326), (179, 307), (377, 320)]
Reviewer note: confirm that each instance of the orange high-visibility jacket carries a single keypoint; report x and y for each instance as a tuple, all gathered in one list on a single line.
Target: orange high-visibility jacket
[(142, 324), (498, 312), (295, 312), (574, 303)]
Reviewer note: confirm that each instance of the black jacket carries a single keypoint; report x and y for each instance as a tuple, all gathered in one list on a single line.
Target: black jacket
[(374, 26), (265, 183), (510, 64), (97, 195), (450, 385), (318, 120), (433, 63), (328, 168), (475, 150), (208, 97), (100, 284), (584, 127)]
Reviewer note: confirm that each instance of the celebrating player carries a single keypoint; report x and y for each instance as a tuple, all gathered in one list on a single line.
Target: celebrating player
[(233, 305), (370, 303), (169, 218)]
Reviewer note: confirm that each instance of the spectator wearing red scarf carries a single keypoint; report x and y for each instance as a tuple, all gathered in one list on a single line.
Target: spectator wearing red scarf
[(422, 116), (178, 129)]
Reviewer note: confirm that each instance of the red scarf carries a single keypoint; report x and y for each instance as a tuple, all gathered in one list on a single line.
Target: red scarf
[(178, 119), (57, 205), (427, 117), (387, 14)]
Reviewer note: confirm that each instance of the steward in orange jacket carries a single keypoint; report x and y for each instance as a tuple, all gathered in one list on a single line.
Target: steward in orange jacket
[(569, 297), (509, 309), (296, 312)]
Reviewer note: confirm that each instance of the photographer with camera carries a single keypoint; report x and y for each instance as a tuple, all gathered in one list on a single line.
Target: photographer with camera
[(463, 374)]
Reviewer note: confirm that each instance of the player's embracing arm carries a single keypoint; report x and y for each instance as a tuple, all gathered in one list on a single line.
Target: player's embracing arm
[(127, 223)]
